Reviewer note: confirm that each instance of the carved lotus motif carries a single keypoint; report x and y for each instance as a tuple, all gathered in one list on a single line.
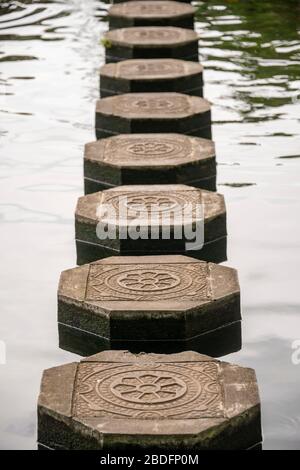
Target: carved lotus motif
[(148, 280), (148, 388)]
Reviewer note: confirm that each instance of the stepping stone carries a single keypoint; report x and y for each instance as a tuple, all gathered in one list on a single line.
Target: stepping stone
[(135, 113), (153, 42), (117, 400), (107, 222), (168, 303), (151, 75), (149, 159), (151, 13)]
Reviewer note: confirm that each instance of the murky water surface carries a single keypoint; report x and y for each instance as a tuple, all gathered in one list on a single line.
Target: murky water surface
[(49, 57)]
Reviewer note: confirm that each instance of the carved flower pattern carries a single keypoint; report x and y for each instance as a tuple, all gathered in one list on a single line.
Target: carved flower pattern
[(149, 388), (148, 280)]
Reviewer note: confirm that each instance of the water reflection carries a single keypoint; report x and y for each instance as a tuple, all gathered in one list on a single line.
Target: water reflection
[(21, 15), (257, 44), (251, 53), (48, 84)]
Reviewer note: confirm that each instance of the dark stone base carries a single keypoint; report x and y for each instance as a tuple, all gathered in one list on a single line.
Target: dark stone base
[(43, 447), (154, 87), (151, 53), (215, 252), (257, 447), (215, 343), (158, 126), (122, 22), (93, 186)]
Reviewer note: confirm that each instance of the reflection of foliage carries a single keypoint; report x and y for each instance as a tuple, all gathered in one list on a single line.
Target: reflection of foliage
[(261, 40), (106, 43)]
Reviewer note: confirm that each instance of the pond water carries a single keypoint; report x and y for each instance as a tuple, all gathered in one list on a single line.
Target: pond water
[(49, 58)]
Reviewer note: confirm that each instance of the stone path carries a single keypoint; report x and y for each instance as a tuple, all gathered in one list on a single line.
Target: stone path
[(158, 290)]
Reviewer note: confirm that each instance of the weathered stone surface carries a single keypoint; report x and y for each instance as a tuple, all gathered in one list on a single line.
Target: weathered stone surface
[(149, 159), (151, 75), (165, 302), (151, 13), (123, 401), (151, 42), (135, 113), (123, 206)]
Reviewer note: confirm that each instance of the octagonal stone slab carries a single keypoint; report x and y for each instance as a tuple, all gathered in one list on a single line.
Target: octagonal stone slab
[(151, 75), (116, 401), (135, 113), (151, 13), (153, 42), (160, 302), (149, 159), (118, 209)]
